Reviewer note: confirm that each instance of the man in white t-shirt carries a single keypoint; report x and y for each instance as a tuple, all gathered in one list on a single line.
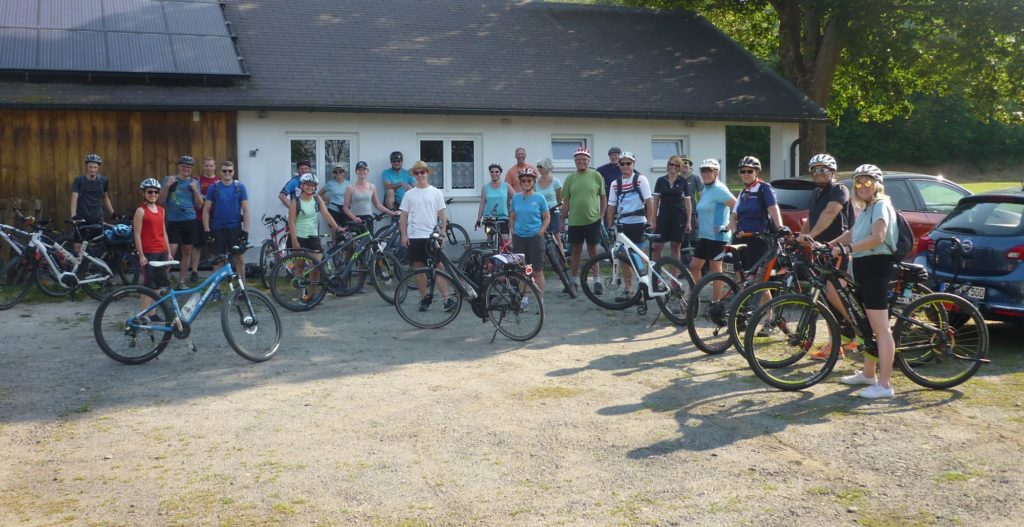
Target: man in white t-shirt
[(631, 197), (422, 208)]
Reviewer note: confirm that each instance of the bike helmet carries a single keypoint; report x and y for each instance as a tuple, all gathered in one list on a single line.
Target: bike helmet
[(302, 163), (94, 158), (750, 161), (527, 172), (822, 159), (710, 163), (118, 232), (870, 171), (628, 155), (396, 156), (149, 183), (492, 166), (186, 160), (309, 178), (582, 151)]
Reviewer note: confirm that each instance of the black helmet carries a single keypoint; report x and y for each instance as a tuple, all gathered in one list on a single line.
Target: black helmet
[(396, 156), (186, 160), (94, 158)]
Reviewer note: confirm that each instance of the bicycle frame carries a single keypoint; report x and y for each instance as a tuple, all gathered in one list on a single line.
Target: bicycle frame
[(43, 252), (644, 279), (210, 284)]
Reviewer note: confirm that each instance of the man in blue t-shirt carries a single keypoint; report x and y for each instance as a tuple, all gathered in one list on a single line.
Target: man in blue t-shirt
[(397, 180), (180, 196), (226, 216), (292, 186)]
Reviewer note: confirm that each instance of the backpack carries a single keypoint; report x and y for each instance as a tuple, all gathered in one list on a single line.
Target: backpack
[(636, 188), (905, 240), (764, 206)]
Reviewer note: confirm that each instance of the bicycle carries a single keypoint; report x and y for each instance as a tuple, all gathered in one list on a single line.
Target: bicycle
[(930, 350), (134, 324), (502, 292), (299, 283), (274, 247), (60, 272), (667, 281), (18, 271), (456, 238), (559, 264)]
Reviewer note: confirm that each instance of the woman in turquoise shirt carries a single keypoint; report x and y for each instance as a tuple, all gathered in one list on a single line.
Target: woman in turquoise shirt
[(494, 199), (713, 210)]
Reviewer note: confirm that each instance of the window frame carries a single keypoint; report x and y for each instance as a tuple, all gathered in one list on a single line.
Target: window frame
[(660, 166), (478, 165), (321, 170), (567, 164)]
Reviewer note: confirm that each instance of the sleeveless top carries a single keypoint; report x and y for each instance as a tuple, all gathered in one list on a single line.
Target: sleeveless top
[(496, 202), (306, 223), (362, 201), (549, 193), (153, 240)]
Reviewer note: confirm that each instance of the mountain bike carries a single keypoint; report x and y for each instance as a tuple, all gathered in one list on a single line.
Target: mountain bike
[(456, 238), (60, 272), (667, 281), (501, 290), (274, 247), (18, 269), (134, 324), (931, 350), (559, 265)]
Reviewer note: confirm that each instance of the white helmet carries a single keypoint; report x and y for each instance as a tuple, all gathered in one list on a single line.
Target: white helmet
[(309, 178), (710, 163), (149, 183), (750, 161), (628, 155), (870, 171), (822, 159)]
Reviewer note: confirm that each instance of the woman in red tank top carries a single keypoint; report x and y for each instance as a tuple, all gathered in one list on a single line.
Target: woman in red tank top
[(151, 235)]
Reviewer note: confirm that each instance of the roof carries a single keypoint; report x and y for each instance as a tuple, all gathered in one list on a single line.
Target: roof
[(475, 57)]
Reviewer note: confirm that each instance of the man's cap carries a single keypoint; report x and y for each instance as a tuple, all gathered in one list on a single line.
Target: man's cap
[(362, 164), (396, 156), (303, 162), (614, 150)]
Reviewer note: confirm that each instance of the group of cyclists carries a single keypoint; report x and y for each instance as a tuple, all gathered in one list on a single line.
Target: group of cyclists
[(682, 210)]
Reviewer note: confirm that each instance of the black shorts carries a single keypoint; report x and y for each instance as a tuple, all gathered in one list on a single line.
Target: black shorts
[(311, 243), (872, 274), (155, 277), (671, 227), (708, 249), (633, 231), (181, 232), (533, 248), (590, 233), (755, 249), (417, 250), (224, 239), (339, 217), (200, 230)]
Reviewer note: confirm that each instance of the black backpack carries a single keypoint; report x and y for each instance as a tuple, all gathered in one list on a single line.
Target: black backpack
[(905, 240), (636, 188)]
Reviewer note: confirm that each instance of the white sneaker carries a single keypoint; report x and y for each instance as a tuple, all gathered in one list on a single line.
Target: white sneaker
[(876, 391), (858, 379), (524, 303)]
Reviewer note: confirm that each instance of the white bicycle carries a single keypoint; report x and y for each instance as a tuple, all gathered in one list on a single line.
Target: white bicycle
[(667, 281), (63, 270)]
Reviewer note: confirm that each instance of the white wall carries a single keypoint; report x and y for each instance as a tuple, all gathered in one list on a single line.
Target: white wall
[(374, 136)]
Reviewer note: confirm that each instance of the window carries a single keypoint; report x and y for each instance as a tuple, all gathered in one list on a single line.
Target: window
[(938, 197), (454, 161), (323, 153), (563, 147), (662, 148)]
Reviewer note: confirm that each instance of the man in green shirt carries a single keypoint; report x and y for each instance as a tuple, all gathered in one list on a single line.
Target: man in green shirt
[(583, 199)]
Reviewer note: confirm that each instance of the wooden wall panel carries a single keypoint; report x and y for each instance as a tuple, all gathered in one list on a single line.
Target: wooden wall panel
[(41, 152)]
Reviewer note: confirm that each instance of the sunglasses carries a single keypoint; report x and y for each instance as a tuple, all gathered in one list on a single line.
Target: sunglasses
[(677, 165), (625, 163), (746, 171), (153, 192), (227, 171), (418, 172), (495, 172), (819, 170), (864, 184)]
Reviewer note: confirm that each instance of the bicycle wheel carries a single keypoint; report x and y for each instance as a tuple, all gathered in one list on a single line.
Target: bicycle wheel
[(601, 272), (90, 270), (351, 274), (743, 305), (15, 280), (292, 285), (781, 335), (46, 280), (941, 340), (387, 273), (120, 263), (268, 251), (456, 242), (707, 312), (558, 265), (513, 305), (679, 281), (119, 316), (251, 324), (428, 310)]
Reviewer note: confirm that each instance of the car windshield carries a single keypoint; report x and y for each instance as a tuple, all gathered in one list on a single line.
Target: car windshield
[(987, 218)]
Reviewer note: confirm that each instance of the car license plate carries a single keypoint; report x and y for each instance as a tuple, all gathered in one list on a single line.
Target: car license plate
[(975, 292)]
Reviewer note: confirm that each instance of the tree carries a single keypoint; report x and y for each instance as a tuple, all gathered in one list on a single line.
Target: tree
[(875, 55)]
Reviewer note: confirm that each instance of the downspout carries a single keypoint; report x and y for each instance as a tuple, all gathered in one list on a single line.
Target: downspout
[(793, 159)]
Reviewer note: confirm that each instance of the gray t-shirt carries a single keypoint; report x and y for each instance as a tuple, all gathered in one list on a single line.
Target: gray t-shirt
[(362, 201), (695, 186), (90, 197)]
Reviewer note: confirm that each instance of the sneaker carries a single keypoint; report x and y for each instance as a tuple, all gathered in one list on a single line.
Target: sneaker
[(826, 349), (193, 278), (626, 296), (524, 303), (215, 296), (876, 391), (449, 304), (597, 288), (858, 379), (769, 331), (425, 303)]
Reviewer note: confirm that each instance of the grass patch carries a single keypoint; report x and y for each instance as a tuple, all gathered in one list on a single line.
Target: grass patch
[(630, 509), (895, 519), (956, 476), (978, 187), (550, 392), (852, 497)]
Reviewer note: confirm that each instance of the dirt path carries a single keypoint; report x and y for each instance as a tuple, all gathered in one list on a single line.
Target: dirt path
[(363, 420)]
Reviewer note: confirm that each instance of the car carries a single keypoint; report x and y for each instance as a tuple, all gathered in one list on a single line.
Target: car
[(924, 200), (977, 251)]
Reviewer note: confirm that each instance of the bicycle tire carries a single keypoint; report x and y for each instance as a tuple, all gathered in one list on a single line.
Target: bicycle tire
[(740, 309), (503, 296), (267, 261), (350, 275), (558, 266), (49, 284), (111, 325), (456, 242), (408, 302), (680, 285), (120, 263), (387, 274), (780, 357), (610, 279), (250, 312), (708, 319), (292, 291), (16, 277), (98, 289), (921, 353)]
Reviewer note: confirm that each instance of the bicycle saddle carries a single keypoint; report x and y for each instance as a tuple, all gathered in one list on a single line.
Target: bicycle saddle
[(166, 263)]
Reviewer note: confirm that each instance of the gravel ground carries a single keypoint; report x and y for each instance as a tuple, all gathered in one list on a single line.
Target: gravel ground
[(364, 420)]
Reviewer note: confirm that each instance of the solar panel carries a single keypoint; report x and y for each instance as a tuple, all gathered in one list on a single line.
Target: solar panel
[(181, 38)]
